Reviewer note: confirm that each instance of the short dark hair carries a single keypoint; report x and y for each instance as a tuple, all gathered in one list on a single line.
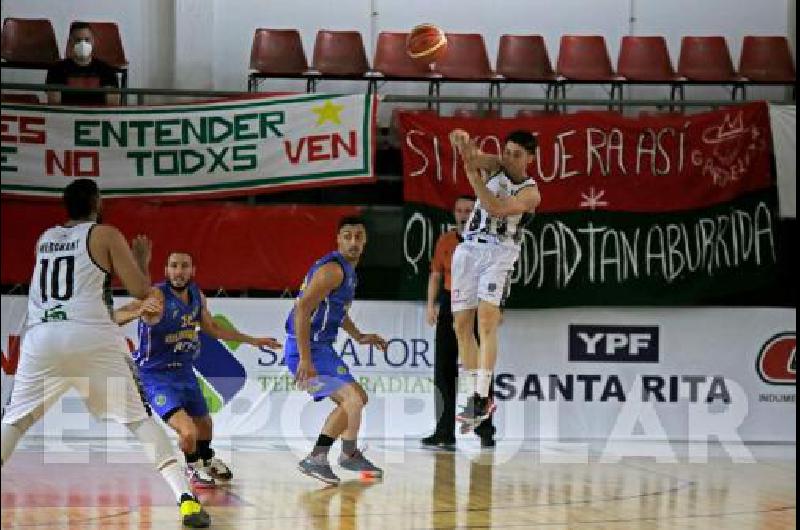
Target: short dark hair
[(79, 25), (351, 220), (466, 198), (524, 139), (80, 198), (179, 251)]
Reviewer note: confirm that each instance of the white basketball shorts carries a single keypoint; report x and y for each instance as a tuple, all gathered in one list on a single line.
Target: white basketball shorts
[(481, 271), (57, 356)]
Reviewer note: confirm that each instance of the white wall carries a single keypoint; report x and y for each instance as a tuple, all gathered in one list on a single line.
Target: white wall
[(206, 43)]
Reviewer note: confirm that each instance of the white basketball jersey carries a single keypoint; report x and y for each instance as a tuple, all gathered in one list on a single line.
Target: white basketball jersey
[(67, 284), (505, 230)]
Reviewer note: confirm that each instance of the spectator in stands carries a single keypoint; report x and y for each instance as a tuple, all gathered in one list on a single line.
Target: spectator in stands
[(81, 69)]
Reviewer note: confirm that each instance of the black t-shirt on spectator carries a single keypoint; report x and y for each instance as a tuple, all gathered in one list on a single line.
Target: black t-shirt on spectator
[(96, 74)]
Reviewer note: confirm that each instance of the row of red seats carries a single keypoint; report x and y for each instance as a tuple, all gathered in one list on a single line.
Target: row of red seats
[(31, 43), (524, 58)]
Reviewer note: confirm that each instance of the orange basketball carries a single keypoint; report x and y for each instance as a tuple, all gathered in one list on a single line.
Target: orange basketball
[(426, 43)]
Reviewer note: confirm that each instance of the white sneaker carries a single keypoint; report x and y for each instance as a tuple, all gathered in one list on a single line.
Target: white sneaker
[(218, 469), (199, 477)]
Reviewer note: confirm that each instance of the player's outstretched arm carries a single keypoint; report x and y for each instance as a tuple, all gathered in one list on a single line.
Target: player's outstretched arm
[(111, 249), (210, 326), (128, 312), (150, 309), (363, 338)]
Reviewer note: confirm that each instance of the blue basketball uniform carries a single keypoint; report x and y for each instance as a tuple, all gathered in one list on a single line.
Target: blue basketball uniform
[(166, 354), (332, 372)]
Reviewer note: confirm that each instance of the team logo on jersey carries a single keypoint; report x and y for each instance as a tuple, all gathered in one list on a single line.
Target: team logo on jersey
[(54, 313), (161, 400), (775, 363), (492, 287)]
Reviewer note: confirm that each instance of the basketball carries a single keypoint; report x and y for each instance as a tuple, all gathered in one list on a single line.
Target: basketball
[(426, 43)]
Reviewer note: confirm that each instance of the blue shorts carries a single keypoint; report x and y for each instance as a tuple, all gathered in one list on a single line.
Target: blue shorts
[(167, 391), (332, 372)]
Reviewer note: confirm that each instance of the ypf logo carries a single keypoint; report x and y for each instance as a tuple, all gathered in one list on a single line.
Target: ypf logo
[(776, 360), (616, 344)]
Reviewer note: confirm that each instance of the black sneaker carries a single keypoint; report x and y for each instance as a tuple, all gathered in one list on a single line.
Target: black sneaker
[(435, 441), (487, 442)]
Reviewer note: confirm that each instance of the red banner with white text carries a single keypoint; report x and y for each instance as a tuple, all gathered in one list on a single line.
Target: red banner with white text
[(603, 161), (655, 210)]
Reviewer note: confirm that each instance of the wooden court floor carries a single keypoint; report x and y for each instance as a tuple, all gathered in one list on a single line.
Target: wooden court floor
[(518, 486)]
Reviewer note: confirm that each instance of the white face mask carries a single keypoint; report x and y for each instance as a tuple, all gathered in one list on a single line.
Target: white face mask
[(82, 49)]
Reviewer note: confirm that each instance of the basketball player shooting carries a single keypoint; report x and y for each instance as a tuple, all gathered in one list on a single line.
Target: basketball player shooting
[(483, 262)]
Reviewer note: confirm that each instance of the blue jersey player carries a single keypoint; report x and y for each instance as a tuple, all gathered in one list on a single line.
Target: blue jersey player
[(169, 341), (312, 327)]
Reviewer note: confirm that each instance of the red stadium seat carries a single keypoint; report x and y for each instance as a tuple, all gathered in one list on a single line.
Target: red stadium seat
[(585, 59), (646, 60), (276, 53), (466, 60), (391, 59), (28, 43), (767, 59), (524, 58), (706, 60)]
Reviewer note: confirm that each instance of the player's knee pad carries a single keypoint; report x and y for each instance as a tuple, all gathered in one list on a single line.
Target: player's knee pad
[(155, 441)]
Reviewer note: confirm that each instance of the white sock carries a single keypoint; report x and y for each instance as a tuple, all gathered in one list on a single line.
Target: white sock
[(472, 381), (10, 436), (159, 449), (484, 381), (173, 474)]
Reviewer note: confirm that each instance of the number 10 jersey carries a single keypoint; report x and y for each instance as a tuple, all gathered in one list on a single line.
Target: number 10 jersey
[(67, 284)]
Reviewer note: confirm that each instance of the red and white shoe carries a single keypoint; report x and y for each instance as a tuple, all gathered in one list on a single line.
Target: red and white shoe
[(199, 477), (217, 469)]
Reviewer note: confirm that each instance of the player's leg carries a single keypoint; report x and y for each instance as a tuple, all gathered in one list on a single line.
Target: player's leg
[(212, 464), (28, 404), (464, 304), (492, 290), (353, 398), (324, 385), (183, 424), (194, 402), (489, 317), (171, 395), (38, 383), (114, 392)]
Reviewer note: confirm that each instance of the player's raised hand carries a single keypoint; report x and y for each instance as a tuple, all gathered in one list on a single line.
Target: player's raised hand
[(459, 138), (266, 342), (374, 340), (142, 248)]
